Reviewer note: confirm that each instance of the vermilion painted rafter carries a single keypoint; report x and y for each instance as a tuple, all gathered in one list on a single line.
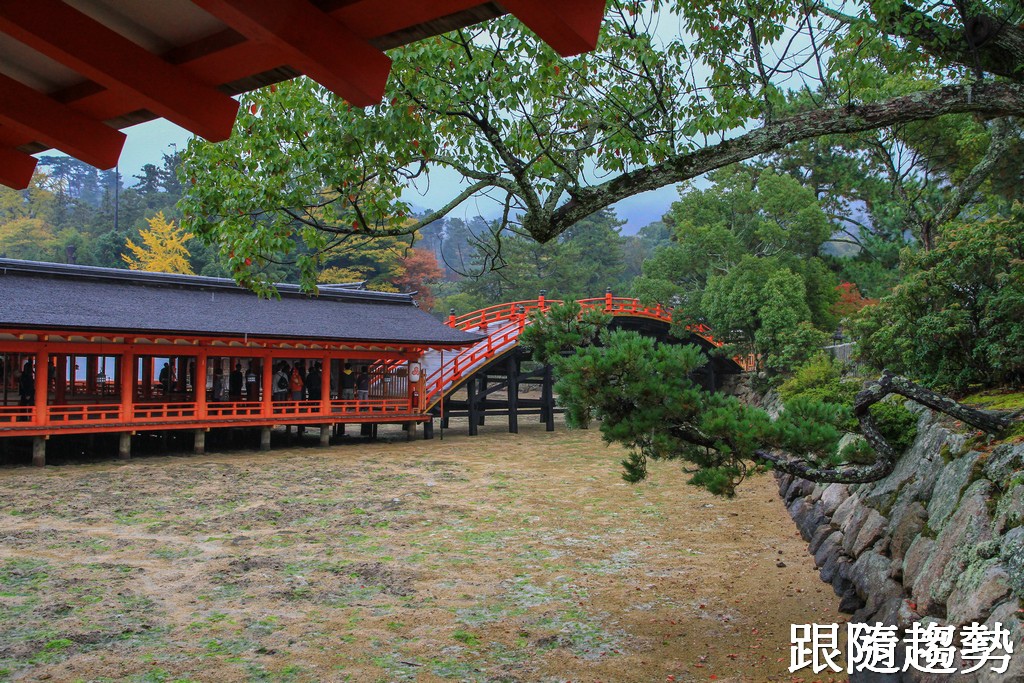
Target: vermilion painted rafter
[(313, 42), (568, 26), (16, 168), (26, 110), (373, 18), (76, 40)]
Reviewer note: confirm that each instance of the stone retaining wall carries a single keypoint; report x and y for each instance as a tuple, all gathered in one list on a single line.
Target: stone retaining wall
[(940, 539)]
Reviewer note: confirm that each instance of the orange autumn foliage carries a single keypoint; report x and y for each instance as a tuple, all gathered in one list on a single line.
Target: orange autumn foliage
[(419, 272), (850, 300)]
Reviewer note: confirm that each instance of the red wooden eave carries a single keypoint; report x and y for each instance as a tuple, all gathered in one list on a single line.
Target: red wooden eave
[(339, 43)]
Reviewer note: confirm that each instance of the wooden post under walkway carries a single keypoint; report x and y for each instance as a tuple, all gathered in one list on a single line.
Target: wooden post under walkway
[(513, 393)]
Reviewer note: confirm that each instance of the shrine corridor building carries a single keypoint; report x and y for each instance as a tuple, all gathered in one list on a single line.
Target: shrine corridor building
[(123, 351)]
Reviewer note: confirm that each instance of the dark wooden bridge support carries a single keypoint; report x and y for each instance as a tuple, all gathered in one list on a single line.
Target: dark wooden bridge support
[(495, 390), (513, 393), (547, 400), (473, 406)]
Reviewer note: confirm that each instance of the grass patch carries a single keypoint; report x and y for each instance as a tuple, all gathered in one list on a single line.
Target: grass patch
[(997, 399)]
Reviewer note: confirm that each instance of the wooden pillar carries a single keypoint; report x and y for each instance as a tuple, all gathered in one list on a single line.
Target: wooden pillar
[(513, 391), (410, 431), (124, 446), (199, 443), (39, 451), (428, 429), (147, 377), (181, 372), (482, 389), (90, 374), (268, 390), (325, 385), (42, 387), (127, 378), (199, 385), (474, 410), (265, 439), (325, 435), (548, 400), (61, 384)]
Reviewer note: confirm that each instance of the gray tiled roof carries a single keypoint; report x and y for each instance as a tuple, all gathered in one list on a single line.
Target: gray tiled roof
[(46, 295)]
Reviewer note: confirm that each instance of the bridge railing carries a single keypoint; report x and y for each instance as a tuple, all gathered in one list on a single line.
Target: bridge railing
[(513, 317), (496, 314), (459, 366)]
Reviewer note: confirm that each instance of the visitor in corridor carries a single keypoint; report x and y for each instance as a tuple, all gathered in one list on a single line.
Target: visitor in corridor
[(252, 381), (314, 383), (26, 385), (235, 382), (165, 379), (348, 383), (281, 382), (296, 383), (363, 384), (218, 384)]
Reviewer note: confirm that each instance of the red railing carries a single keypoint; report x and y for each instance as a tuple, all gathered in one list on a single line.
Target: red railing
[(14, 414), (164, 412), (228, 409), (106, 417), (495, 314), (84, 412), (464, 363), (303, 408), (512, 318), (373, 406)]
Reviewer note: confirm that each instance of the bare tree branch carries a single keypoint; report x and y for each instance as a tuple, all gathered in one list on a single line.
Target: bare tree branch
[(992, 99)]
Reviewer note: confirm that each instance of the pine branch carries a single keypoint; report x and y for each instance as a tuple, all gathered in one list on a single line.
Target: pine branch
[(876, 391)]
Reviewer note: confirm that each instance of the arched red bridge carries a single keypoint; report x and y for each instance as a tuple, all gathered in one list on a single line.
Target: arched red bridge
[(492, 364)]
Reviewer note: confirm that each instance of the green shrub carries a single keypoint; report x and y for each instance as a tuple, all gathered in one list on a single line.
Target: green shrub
[(957, 318), (820, 379), (858, 452), (897, 424)]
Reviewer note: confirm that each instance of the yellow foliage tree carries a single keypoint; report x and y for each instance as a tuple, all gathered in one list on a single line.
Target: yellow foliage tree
[(163, 248)]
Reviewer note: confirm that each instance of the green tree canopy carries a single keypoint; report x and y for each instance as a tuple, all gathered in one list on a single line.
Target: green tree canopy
[(552, 141), (957, 317)]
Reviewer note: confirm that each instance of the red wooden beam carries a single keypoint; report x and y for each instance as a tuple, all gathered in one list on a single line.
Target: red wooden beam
[(313, 42), (569, 26), (16, 168), (33, 113), (375, 18), (76, 40)]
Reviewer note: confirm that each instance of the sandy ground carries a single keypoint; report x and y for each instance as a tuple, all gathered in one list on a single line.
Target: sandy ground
[(496, 558)]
